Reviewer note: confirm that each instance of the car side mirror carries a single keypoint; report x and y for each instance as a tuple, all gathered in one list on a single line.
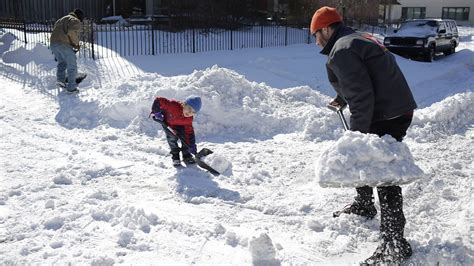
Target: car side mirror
[(442, 31)]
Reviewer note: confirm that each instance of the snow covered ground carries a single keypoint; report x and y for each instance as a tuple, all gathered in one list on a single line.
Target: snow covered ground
[(87, 178)]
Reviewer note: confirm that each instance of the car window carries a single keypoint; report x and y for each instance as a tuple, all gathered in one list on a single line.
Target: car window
[(454, 28), (449, 27), (441, 26), (418, 24)]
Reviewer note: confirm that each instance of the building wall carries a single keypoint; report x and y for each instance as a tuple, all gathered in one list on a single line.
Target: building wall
[(46, 10), (434, 8)]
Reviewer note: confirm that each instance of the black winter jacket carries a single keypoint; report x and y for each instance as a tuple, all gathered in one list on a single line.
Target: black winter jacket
[(366, 75)]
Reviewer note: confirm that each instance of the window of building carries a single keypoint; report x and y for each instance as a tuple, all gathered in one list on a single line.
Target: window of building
[(456, 13), (413, 12)]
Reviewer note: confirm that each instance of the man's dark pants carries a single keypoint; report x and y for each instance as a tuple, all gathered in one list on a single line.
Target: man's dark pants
[(391, 200)]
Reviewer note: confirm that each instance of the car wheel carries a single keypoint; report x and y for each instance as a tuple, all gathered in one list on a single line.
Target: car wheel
[(430, 55), (451, 50)]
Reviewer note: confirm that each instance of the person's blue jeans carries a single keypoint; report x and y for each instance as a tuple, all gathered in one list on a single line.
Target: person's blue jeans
[(66, 61)]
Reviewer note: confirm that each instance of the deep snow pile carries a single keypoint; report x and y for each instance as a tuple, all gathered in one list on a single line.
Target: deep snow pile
[(233, 106), (450, 116), (87, 179), (358, 160)]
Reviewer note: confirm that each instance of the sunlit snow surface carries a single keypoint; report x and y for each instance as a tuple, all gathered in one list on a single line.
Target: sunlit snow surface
[(87, 178)]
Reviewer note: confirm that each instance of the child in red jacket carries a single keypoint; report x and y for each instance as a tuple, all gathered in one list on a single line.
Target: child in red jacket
[(179, 116)]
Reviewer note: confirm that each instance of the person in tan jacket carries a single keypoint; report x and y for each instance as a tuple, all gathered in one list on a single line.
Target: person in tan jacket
[(64, 43)]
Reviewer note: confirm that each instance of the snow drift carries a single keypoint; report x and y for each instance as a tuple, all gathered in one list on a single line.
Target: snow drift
[(86, 180), (453, 115), (232, 106)]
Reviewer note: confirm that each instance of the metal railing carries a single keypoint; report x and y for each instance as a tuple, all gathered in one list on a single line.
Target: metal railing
[(108, 40), (146, 40)]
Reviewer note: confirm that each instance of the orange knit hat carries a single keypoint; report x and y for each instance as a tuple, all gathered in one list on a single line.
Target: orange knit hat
[(324, 17)]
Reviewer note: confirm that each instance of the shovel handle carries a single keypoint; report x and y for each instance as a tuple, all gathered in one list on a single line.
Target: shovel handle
[(197, 156), (169, 130), (339, 111), (343, 119)]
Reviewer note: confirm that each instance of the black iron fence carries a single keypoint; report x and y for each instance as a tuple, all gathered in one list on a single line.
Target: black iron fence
[(123, 39), (147, 40), (106, 40)]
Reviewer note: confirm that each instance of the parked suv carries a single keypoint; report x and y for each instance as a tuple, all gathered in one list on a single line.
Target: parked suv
[(424, 37)]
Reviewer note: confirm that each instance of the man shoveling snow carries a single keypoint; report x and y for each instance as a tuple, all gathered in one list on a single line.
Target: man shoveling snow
[(366, 77)]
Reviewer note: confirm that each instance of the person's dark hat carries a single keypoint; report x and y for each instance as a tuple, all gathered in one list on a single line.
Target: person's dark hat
[(79, 13)]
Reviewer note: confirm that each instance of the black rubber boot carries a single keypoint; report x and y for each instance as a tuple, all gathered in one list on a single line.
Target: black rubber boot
[(188, 159), (363, 204), (390, 252), (366, 210), (175, 159)]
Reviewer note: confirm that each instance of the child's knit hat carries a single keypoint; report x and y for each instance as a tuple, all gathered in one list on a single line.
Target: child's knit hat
[(194, 102)]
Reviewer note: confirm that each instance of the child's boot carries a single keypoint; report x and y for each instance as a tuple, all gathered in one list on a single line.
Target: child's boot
[(176, 160), (188, 159)]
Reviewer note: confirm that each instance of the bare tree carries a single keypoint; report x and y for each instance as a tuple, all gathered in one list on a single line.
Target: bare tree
[(303, 10)]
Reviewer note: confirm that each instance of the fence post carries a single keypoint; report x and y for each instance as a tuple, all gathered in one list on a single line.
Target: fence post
[(152, 36), (92, 38), (24, 30), (194, 41), (261, 37), (231, 40), (286, 34), (309, 36)]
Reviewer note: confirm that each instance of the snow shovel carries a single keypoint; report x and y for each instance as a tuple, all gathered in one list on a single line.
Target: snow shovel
[(338, 108), (197, 157)]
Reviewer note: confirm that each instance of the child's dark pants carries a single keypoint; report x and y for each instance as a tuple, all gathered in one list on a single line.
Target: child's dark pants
[(173, 143)]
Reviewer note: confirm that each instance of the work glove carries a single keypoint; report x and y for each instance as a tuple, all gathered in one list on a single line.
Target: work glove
[(337, 104), (158, 116), (192, 149), (76, 48)]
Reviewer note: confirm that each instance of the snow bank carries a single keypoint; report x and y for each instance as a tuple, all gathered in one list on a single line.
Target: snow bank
[(358, 159), (233, 107), (103, 195), (466, 35), (453, 115)]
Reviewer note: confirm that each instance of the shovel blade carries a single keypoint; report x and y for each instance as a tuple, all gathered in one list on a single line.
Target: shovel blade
[(206, 166), (204, 152)]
